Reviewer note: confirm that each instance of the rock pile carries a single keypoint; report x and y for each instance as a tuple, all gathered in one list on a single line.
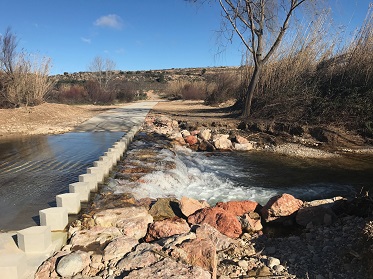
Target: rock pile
[(204, 139), (190, 239)]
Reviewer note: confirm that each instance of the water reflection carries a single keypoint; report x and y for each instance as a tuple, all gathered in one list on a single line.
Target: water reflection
[(33, 170)]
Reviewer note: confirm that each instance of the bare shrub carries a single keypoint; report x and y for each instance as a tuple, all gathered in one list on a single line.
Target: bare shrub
[(98, 95), (187, 90), (126, 91), (225, 86), (24, 78), (196, 90), (346, 83), (73, 94), (30, 81)]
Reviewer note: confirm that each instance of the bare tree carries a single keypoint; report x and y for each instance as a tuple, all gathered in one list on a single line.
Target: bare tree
[(261, 26), (103, 70), (8, 45)]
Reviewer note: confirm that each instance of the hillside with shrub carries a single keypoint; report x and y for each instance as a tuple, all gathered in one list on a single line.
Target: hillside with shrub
[(308, 82)]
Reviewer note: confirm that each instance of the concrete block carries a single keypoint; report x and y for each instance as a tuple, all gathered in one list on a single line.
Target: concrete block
[(70, 201), (35, 239), (82, 188), (120, 148), (98, 171), (126, 141), (135, 129), (108, 160), (59, 239), (90, 178), (13, 266), (55, 217), (116, 153), (120, 144), (112, 157), (103, 165)]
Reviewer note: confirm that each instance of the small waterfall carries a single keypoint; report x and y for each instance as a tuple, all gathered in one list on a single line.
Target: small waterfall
[(254, 176)]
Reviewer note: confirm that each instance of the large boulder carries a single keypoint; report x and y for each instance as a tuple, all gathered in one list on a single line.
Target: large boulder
[(280, 206), (251, 222), (94, 239), (198, 252), (222, 142), (133, 221), (48, 268), (241, 140), (165, 208), (243, 146), (238, 208), (224, 221), (205, 134), (206, 146), (188, 205), (191, 140), (166, 228), (144, 255), (220, 241), (317, 212), (73, 263), (119, 247)]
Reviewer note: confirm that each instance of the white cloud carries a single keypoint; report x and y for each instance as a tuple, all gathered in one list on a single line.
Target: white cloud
[(112, 21), (86, 40)]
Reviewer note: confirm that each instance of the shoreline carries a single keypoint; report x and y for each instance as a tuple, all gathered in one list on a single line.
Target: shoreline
[(51, 119)]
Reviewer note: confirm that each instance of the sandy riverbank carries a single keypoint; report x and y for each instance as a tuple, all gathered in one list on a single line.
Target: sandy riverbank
[(46, 118)]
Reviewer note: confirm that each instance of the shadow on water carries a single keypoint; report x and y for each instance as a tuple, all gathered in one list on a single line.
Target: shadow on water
[(34, 169)]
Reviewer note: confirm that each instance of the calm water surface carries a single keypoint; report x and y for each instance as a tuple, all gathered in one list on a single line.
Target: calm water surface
[(33, 170)]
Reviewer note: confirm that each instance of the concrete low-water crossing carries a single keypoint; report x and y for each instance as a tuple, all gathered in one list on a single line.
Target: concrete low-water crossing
[(56, 173), (34, 169)]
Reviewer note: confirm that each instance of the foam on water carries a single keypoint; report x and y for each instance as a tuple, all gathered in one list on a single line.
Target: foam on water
[(197, 176), (254, 176)]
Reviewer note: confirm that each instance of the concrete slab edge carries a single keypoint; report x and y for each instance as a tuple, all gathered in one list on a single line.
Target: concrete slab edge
[(54, 220)]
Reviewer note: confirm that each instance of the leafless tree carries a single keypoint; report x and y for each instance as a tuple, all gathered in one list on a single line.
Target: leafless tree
[(8, 45), (103, 70), (261, 26)]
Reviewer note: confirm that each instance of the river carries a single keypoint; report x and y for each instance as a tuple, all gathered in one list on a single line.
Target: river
[(224, 176), (33, 170)]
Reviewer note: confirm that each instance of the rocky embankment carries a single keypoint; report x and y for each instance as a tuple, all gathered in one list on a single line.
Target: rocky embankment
[(120, 236)]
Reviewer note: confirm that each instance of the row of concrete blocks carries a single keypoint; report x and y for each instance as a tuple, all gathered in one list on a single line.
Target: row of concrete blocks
[(37, 239)]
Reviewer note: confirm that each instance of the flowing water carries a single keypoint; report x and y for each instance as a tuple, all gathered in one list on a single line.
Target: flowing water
[(33, 170), (254, 176)]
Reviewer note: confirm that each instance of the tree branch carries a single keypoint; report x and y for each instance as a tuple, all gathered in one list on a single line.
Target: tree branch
[(294, 5), (228, 16)]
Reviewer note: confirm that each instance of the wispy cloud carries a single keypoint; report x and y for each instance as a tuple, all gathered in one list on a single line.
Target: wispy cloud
[(86, 40), (112, 21)]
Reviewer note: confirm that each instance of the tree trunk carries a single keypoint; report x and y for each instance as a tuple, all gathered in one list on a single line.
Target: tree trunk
[(250, 90)]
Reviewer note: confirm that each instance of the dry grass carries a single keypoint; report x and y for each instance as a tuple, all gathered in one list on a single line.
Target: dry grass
[(188, 90), (309, 81), (29, 82)]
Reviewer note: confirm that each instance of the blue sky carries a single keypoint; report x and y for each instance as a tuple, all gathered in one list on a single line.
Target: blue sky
[(136, 35)]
